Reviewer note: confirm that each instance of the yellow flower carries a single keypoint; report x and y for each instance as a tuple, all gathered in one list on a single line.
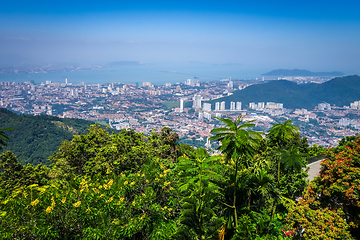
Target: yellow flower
[(110, 182), (161, 175), (88, 210), (122, 175), (74, 190), (157, 179), (110, 200), (100, 187), (147, 181), (161, 166), (132, 184), (143, 175), (101, 195), (96, 190), (144, 195), (166, 183), (108, 171), (35, 202), (171, 188), (116, 221), (52, 202), (133, 203), (48, 209), (63, 200), (164, 208), (25, 194), (143, 216), (120, 201), (77, 204)]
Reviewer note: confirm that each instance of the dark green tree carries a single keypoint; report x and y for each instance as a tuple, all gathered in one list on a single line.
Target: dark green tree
[(239, 145)]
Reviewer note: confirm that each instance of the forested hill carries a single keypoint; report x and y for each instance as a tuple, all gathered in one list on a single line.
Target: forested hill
[(35, 138), (339, 91)]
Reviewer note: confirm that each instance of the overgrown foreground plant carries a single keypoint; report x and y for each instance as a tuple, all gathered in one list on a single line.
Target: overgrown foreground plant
[(139, 205), (330, 207)]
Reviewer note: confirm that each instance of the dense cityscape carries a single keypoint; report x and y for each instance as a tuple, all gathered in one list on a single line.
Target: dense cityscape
[(183, 107)]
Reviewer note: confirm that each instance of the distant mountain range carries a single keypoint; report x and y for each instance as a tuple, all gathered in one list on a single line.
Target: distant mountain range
[(339, 91), (301, 73)]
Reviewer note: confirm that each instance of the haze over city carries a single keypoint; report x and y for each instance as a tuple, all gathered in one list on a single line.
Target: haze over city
[(260, 35)]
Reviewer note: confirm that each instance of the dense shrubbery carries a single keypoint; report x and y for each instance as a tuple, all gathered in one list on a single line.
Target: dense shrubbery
[(131, 186)]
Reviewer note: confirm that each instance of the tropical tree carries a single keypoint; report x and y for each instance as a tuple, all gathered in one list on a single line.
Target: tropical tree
[(279, 136), (239, 145), (199, 217)]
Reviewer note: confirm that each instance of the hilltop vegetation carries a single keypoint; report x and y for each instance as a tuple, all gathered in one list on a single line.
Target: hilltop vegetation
[(339, 91), (35, 138), (130, 186)]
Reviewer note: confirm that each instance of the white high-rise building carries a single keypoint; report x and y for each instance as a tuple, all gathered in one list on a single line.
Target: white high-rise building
[(207, 116), (232, 106), (197, 101), (217, 106), (66, 82), (222, 106), (252, 105), (207, 107), (181, 105), (238, 106), (201, 115), (230, 84), (261, 105), (272, 105)]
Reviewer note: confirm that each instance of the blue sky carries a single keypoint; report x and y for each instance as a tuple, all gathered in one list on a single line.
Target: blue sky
[(314, 35)]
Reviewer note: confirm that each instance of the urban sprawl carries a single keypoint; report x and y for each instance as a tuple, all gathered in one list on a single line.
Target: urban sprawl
[(184, 107)]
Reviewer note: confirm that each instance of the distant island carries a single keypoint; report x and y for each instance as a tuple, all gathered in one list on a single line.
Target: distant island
[(301, 73)]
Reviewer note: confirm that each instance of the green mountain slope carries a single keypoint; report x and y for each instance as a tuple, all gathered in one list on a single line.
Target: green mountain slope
[(35, 138), (339, 91)]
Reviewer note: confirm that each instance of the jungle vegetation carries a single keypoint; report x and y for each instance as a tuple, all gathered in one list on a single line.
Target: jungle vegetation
[(127, 185)]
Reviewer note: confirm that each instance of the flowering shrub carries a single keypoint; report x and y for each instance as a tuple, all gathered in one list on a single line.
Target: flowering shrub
[(111, 207)]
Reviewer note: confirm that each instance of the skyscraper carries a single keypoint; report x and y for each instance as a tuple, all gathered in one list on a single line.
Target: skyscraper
[(197, 101), (217, 106), (207, 107), (232, 106), (238, 106), (222, 107)]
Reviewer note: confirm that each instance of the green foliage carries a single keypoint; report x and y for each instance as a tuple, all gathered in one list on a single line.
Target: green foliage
[(130, 186), (98, 151), (3, 137), (339, 91), (35, 138), (14, 175), (126, 206), (199, 214)]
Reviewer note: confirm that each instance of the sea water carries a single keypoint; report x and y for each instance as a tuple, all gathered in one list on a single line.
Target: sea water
[(155, 73)]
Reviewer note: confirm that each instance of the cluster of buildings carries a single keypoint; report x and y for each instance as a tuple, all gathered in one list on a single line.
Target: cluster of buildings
[(142, 107)]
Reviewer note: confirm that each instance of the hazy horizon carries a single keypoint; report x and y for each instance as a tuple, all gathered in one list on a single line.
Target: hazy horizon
[(266, 35)]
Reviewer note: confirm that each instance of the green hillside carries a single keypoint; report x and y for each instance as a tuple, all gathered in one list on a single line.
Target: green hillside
[(339, 91), (35, 138)]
